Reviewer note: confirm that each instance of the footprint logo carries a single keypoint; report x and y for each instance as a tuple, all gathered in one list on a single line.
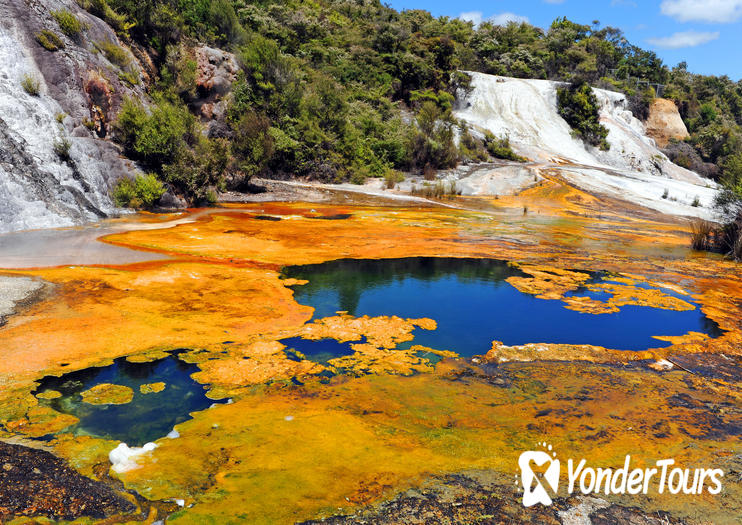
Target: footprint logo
[(539, 469)]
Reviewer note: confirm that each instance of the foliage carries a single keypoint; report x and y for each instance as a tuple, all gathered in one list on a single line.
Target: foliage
[(69, 23), (197, 170), (101, 9), (155, 136), (130, 76), (253, 145), (471, 149), (432, 146), (178, 73), (579, 107), (62, 149), (439, 190), (49, 40), (31, 85), (500, 148), (114, 53), (339, 90), (142, 192), (392, 178)]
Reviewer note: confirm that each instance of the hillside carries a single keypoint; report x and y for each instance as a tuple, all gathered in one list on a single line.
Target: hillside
[(205, 95)]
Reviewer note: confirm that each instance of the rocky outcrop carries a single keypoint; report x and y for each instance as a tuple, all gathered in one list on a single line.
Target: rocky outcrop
[(215, 73), (664, 122), (36, 483), (55, 167), (685, 155)]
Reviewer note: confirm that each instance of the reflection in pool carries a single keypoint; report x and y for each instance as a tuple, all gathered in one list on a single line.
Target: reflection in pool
[(147, 417), (319, 351), (474, 305)]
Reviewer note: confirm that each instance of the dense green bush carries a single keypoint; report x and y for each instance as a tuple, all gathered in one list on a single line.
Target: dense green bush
[(500, 148), (155, 136), (69, 23), (178, 73), (49, 40), (253, 145), (579, 107), (62, 149), (167, 140), (31, 85), (432, 146), (115, 54), (142, 192), (101, 9), (197, 171)]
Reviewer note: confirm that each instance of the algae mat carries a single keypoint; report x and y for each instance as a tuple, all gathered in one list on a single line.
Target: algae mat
[(290, 438)]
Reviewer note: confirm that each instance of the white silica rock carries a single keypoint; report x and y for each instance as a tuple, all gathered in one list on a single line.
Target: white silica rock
[(124, 458), (37, 188), (633, 169)]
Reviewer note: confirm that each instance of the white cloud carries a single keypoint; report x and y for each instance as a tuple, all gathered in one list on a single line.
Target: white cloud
[(684, 39), (721, 11), (474, 17), (504, 18)]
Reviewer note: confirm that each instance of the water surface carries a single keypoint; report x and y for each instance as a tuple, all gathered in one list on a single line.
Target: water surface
[(474, 305), (147, 417)]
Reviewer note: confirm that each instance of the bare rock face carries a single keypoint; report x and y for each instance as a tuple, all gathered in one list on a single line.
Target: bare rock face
[(56, 169), (664, 122), (215, 73)]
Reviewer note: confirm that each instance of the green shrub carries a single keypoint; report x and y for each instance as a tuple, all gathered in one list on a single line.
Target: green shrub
[(359, 175), (252, 145), (62, 149), (49, 40), (179, 71), (392, 178), (31, 85), (69, 23), (101, 9), (154, 136), (166, 139), (471, 148), (142, 192), (500, 148), (579, 107), (432, 147), (130, 76), (197, 171), (125, 194), (439, 190), (115, 54)]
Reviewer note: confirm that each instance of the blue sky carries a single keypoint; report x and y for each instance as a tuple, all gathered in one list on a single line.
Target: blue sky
[(707, 34)]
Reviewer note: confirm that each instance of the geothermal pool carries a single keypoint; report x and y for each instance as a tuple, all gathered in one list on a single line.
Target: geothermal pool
[(473, 304), (152, 411)]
